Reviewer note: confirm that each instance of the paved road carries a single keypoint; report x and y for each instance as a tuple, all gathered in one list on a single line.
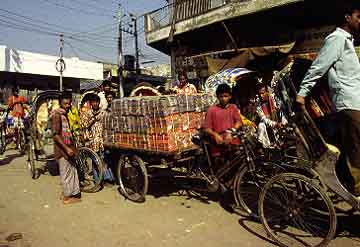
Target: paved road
[(33, 208)]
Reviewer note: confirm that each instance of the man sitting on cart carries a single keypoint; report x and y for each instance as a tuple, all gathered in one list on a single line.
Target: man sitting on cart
[(184, 87), (109, 98), (93, 132), (270, 116), (222, 120)]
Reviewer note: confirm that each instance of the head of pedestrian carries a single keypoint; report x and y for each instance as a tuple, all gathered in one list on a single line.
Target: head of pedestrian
[(183, 79), (262, 92), (110, 96), (349, 18), (65, 99), (94, 102), (15, 91), (106, 86), (224, 94)]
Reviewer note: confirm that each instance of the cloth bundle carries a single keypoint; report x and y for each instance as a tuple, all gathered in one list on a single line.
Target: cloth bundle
[(157, 123)]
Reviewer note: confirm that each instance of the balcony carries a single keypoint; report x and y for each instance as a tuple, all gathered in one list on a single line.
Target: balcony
[(197, 14)]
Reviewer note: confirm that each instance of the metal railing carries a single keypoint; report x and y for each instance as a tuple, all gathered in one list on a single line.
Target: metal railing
[(185, 9)]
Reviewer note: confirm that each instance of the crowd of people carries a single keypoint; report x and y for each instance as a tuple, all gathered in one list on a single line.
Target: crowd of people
[(337, 59)]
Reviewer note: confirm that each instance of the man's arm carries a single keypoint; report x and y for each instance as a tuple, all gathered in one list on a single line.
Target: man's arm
[(237, 117), (328, 55)]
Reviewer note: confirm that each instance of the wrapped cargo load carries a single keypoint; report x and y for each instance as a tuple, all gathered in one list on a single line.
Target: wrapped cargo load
[(156, 123)]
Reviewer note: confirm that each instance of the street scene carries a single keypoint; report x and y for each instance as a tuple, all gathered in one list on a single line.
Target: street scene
[(180, 122)]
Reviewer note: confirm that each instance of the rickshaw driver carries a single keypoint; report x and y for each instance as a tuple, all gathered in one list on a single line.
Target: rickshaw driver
[(17, 104), (222, 120), (338, 59)]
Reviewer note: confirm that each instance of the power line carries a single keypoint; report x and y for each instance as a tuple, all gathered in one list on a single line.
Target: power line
[(90, 43), (95, 29), (90, 5), (84, 33), (76, 49), (27, 29), (77, 9), (36, 20)]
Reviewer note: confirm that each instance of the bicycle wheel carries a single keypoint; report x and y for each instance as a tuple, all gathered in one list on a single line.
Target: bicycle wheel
[(2, 140), (295, 211), (31, 160), (22, 141), (248, 184), (90, 170), (133, 178)]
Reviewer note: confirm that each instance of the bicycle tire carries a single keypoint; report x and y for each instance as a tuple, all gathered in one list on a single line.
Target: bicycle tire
[(22, 141), (31, 159), (2, 140), (246, 197), (290, 213), (87, 160), (127, 167)]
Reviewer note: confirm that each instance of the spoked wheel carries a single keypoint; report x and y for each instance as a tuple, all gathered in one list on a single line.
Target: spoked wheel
[(90, 170), (133, 179), (2, 140), (31, 160), (248, 184), (22, 141), (295, 211)]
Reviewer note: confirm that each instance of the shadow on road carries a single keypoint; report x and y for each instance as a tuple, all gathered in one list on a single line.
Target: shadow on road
[(166, 186), (244, 222), (8, 158), (349, 226)]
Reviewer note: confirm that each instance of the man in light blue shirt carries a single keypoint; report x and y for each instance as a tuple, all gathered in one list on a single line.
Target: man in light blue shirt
[(339, 60)]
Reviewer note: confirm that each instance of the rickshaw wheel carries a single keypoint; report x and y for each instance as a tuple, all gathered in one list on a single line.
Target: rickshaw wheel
[(295, 211), (90, 170), (248, 184), (133, 178), (22, 141), (31, 159), (2, 139)]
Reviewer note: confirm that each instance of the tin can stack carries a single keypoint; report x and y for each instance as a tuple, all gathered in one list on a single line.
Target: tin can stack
[(156, 123)]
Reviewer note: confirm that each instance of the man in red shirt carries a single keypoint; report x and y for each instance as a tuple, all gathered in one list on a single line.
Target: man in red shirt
[(16, 104), (221, 118)]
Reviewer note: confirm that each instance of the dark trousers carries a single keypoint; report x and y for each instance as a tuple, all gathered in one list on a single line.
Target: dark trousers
[(349, 138)]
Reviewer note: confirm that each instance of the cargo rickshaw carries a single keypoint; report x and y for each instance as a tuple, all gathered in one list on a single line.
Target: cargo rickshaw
[(39, 145), (191, 168)]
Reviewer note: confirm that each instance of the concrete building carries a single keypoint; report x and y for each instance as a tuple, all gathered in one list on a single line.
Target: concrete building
[(31, 70), (203, 36)]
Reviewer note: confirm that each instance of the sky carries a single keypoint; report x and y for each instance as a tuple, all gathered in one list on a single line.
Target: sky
[(89, 26)]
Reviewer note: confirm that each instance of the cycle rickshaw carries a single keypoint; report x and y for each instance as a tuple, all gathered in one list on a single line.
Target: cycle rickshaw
[(293, 193), (193, 168), (296, 204), (13, 129), (40, 145)]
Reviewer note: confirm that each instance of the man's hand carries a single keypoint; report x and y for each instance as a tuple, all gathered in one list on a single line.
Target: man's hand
[(279, 125), (300, 100), (218, 139), (70, 152)]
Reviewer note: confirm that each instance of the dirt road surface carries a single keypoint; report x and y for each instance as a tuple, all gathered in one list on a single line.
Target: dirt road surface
[(33, 209)]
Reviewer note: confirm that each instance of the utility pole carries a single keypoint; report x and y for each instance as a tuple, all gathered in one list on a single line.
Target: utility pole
[(120, 53), (60, 63), (134, 19)]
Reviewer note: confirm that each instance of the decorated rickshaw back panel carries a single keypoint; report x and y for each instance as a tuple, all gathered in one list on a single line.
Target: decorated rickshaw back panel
[(156, 123)]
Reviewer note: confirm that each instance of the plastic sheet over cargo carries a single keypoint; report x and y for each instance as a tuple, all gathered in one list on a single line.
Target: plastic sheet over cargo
[(156, 123)]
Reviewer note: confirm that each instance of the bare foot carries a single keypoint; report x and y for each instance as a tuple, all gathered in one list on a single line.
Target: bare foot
[(71, 200)]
